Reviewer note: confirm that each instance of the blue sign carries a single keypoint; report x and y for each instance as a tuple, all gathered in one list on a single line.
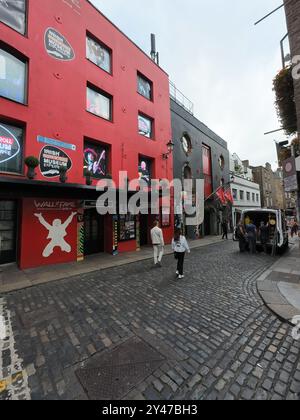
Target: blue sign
[(56, 143)]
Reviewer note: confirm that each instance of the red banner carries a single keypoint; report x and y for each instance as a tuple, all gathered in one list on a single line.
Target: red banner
[(221, 195)]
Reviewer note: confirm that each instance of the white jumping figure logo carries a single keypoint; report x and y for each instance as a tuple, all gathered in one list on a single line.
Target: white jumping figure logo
[(57, 234)]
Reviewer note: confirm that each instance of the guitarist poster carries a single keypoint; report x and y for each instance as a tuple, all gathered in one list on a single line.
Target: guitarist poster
[(95, 160)]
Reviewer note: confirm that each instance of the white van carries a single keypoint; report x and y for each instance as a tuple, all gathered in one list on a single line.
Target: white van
[(279, 237)]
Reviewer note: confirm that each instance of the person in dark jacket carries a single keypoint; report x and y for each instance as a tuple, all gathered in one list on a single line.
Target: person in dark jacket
[(264, 235), (241, 236), (225, 230)]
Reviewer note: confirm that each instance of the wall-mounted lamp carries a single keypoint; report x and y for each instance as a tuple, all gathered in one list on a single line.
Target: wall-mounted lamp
[(170, 147)]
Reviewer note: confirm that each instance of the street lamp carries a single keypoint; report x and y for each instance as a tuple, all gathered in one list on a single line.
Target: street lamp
[(170, 147)]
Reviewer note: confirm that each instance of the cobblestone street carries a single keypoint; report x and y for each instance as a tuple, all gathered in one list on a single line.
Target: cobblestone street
[(214, 336)]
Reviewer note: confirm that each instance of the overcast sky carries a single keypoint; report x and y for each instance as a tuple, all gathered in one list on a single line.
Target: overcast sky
[(218, 59)]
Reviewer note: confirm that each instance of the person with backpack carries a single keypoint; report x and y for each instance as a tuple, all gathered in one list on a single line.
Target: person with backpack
[(180, 247)]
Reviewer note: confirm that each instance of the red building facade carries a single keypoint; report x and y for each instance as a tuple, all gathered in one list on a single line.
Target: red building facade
[(81, 97)]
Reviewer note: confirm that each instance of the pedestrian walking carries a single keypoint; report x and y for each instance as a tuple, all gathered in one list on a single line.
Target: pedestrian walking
[(295, 229), (225, 229), (241, 236), (264, 235), (251, 232), (180, 247), (158, 243)]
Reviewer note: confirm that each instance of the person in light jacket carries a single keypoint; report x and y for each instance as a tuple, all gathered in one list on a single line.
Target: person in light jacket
[(158, 244), (180, 247)]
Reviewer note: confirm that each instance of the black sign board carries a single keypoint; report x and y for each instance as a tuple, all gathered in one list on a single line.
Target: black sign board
[(51, 160), (57, 46), (13, 14)]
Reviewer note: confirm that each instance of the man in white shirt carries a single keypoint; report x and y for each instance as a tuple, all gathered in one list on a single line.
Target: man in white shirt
[(158, 244)]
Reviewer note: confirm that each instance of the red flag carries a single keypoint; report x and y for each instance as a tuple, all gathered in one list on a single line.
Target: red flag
[(229, 197), (221, 195)]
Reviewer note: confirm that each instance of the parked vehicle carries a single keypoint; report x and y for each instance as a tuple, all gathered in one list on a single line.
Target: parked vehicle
[(278, 237)]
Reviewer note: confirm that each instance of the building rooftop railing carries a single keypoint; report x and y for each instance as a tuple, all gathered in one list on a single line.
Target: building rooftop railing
[(181, 99)]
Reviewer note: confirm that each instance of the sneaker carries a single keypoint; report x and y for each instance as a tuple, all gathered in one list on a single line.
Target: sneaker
[(181, 277), (159, 265), (177, 273)]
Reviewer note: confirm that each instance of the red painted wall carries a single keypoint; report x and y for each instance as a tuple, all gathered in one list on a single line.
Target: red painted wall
[(53, 245), (57, 106), (57, 100)]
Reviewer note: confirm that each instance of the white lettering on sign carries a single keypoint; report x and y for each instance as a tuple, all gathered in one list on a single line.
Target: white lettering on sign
[(54, 205)]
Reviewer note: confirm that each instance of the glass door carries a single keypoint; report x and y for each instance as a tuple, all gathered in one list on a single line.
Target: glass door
[(8, 218)]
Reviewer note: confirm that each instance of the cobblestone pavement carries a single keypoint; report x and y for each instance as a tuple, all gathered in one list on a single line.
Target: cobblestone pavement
[(218, 339)]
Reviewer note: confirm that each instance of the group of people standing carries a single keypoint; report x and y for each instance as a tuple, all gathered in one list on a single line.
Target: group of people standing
[(248, 236), (180, 247)]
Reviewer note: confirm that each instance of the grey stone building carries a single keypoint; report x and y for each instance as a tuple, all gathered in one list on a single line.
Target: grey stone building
[(199, 153)]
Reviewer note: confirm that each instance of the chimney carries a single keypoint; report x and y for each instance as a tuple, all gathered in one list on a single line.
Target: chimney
[(154, 53)]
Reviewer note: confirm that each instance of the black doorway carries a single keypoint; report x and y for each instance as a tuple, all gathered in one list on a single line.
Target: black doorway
[(93, 232), (8, 231), (207, 223), (144, 229)]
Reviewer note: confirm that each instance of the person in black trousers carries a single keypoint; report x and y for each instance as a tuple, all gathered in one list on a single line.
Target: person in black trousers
[(225, 230), (180, 247)]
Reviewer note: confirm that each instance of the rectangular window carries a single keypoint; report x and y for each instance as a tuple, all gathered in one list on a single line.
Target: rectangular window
[(99, 103), (11, 149), (127, 228), (13, 14), (257, 197), (242, 195), (145, 126), (248, 196), (235, 194), (253, 197), (145, 87), (207, 170), (145, 170), (98, 54), (95, 159), (12, 77)]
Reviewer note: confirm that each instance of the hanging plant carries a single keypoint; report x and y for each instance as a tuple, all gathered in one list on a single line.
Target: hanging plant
[(31, 162), (296, 145), (285, 100)]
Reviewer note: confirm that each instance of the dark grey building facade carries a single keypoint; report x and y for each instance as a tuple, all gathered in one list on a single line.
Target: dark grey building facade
[(199, 153)]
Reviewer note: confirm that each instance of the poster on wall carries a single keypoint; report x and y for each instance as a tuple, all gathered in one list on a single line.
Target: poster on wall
[(94, 159), (98, 54), (10, 149), (127, 228), (51, 160), (57, 46), (145, 170), (54, 224), (145, 126), (165, 217), (13, 14)]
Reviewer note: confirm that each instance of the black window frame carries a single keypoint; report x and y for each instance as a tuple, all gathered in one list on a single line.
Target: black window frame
[(152, 135), (105, 47), (20, 126), (92, 142), (104, 94), (146, 79), (22, 58), (25, 34)]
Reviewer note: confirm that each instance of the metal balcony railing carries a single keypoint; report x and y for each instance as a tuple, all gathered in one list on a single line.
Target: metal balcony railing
[(181, 99)]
